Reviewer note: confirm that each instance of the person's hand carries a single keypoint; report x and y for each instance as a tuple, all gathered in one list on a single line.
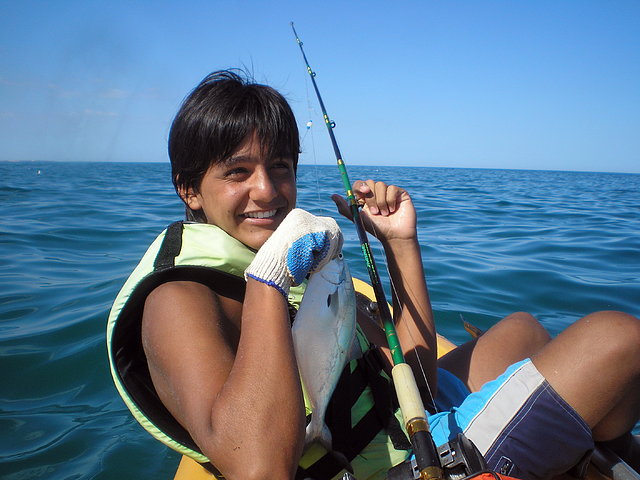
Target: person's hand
[(388, 212), (302, 244)]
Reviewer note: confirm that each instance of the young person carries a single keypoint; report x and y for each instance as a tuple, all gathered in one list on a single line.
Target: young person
[(200, 343)]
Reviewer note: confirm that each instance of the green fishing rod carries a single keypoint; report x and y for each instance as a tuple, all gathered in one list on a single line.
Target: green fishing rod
[(413, 411)]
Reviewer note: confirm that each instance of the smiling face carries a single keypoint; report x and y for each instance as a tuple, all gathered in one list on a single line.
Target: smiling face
[(247, 195)]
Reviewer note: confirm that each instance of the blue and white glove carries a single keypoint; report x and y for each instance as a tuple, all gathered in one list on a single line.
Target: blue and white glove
[(302, 243)]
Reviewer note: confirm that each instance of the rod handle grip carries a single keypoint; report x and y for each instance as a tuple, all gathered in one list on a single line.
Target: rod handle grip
[(408, 394)]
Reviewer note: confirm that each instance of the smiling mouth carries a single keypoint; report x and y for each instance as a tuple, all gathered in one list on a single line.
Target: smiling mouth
[(265, 214)]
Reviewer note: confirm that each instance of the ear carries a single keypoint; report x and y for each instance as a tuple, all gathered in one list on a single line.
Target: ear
[(190, 198)]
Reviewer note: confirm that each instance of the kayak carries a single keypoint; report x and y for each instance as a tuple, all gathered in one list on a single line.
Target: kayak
[(604, 465)]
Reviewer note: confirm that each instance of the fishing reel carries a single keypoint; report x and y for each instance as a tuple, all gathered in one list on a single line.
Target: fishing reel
[(459, 459)]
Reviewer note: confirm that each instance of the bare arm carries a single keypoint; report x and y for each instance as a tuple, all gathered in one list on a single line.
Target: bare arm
[(389, 214), (412, 308), (243, 407)]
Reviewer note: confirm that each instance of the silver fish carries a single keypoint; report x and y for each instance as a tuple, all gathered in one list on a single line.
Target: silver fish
[(323, 336)]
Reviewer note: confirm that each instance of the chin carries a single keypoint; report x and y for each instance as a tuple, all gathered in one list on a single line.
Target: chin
[(256, 241)]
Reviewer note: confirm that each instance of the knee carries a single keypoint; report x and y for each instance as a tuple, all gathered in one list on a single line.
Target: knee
[(524, 318), (527, 326), (615, 332), (612, 323)]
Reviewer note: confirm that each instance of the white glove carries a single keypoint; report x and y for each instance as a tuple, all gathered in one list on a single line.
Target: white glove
[(301, 244)]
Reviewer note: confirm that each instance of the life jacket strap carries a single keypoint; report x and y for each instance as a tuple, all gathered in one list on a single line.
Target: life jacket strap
[(351, 440), (170, 247)]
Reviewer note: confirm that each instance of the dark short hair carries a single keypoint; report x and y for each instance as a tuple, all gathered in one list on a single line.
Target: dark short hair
[(215, 119)]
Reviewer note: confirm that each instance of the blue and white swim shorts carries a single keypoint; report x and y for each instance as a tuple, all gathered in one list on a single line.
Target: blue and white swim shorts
[(518, 422)]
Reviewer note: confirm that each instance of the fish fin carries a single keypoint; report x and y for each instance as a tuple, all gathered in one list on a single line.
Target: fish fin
[(474, 331)]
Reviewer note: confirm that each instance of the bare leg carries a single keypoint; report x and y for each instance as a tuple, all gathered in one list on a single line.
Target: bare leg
[(514, 338), (595, 366)]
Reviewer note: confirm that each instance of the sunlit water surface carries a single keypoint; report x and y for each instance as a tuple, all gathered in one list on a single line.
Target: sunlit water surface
[(556, 244)]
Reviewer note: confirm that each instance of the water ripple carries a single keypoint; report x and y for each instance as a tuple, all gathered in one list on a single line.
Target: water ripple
[(558, 244)]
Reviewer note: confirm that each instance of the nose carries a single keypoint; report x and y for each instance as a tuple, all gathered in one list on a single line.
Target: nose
[(263, 188)]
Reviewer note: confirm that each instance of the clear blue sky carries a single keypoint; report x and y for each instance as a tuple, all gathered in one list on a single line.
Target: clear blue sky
[(494, 84)]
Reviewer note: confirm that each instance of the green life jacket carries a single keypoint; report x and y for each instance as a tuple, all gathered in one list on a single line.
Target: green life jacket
[(362, 415)]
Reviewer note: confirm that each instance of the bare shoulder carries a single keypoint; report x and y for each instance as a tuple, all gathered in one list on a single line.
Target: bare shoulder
[(177, 299), (177, 308), (176, 291), (188, 307)]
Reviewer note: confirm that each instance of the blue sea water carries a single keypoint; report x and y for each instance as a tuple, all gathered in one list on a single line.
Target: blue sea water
[(557, 244)]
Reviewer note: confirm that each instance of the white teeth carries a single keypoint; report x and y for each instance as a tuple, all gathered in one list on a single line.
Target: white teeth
[(267, 214)]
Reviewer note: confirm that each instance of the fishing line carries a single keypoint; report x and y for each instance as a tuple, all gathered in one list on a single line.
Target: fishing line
[(413, 411), (315, 162), (401, 308), (311, 113)]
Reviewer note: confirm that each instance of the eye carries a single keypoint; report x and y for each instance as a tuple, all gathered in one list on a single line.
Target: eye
[(282, 165), (237, 171)]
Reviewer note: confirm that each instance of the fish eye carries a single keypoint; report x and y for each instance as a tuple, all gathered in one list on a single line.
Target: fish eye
[(340, 256)]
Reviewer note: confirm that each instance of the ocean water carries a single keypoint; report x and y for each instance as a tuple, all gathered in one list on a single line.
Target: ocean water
[(556, 244)]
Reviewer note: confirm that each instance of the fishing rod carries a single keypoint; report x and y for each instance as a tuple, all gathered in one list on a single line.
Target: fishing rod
[(413, 411)]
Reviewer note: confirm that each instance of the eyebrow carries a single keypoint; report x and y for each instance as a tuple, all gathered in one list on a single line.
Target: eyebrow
[(234, 159)]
